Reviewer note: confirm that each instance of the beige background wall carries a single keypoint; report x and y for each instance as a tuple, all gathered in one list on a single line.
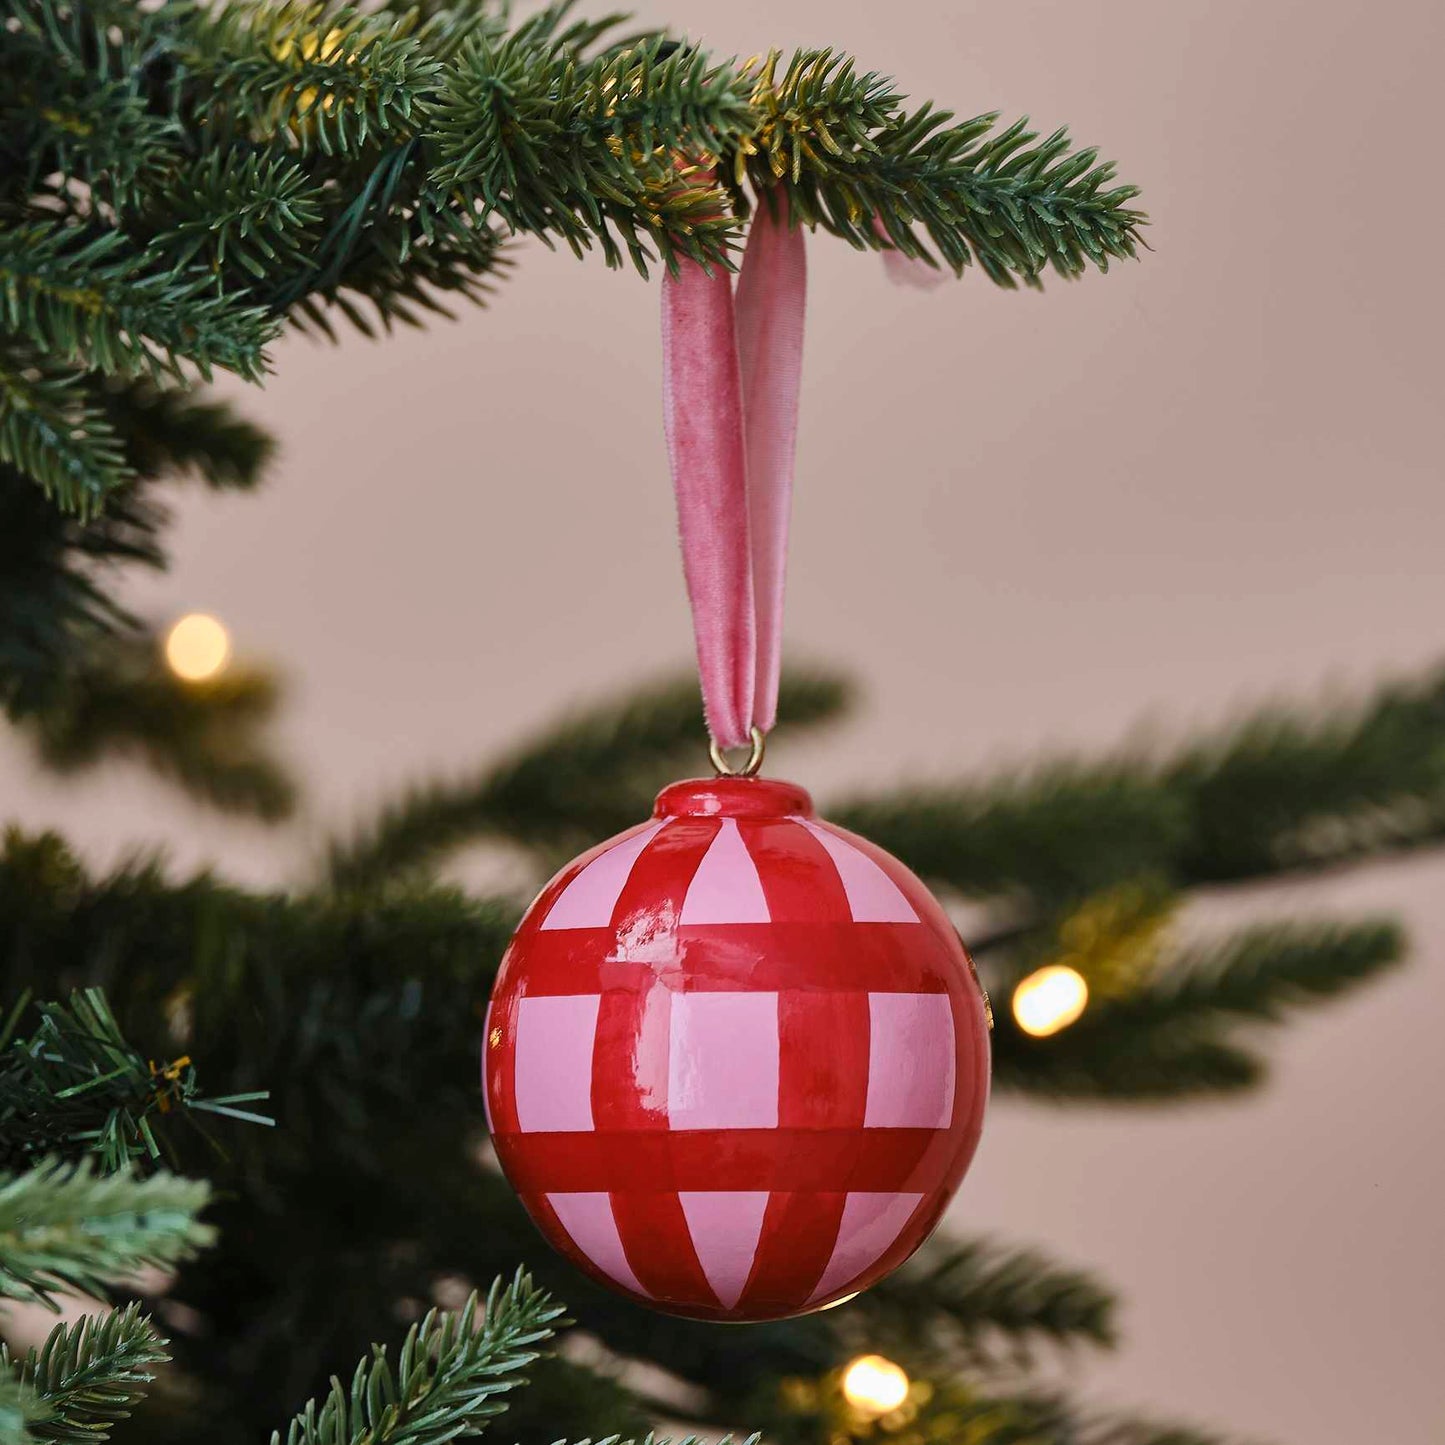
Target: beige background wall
[(1025, 522)]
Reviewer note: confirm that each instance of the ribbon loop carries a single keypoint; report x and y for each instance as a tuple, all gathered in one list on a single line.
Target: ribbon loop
[(731, 374)]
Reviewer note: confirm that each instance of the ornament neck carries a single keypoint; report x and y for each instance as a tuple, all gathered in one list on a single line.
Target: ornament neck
[(727, 797)]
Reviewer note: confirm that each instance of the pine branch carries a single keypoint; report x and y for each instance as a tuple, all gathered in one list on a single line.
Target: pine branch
[(1284, 790), (78, 672), (98, 132), (62, 1227), (81, 122), (179, 180), (1163, 1068), (171, 432), (301, 994), (54, 610), (1261, 972), (1296, 788), (74, 1085), (1057, 832), (398, 248), (104, 35), (319, 76), (125, 702), (586, 148), (957, 1409), (53, 432), (56, 615), (92, 302), (857, 164), (563, 1394), (18, 1408), (586, 779), (1115, 1431), (252, 214), (959, 1299), (87, 1376), (1178, 1033), (450, 1370)]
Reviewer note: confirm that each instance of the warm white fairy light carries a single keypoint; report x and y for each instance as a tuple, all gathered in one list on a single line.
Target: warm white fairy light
[(1050, 999), (874, 1386), (197, 647)]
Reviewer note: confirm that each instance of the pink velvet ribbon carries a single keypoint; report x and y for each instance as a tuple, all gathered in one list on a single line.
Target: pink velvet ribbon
[(731, 372)]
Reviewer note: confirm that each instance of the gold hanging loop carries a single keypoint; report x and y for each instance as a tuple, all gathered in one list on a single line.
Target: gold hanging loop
[(725, 769)]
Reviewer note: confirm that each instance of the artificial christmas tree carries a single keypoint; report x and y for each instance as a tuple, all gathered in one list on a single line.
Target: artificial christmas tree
[(177, 184)]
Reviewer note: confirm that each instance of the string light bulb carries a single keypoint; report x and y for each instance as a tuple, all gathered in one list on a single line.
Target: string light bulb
[(873, 1386), (1050, 999), (198, 647)]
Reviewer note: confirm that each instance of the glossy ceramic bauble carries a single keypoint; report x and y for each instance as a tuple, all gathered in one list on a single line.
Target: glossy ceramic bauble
[(737, 1059)]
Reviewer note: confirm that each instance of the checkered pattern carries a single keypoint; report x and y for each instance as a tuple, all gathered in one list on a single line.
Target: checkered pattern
[(737, 1060)]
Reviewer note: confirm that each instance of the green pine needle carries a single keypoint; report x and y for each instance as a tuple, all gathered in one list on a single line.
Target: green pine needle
[(257, 213), (1262, 972), (122, 701), (54, 608), (314, 76), (63, 1227), (964, 1300), (192, 177), (174, 432), (93, 302), (54, 431), (87, 1376), (1179, 1033), (856, 163), (18, 1409), (73, 1083), (448, 1380), (558, 143), (1283, 789)]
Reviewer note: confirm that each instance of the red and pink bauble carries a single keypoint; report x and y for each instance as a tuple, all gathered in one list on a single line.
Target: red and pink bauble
[(737, 1058)]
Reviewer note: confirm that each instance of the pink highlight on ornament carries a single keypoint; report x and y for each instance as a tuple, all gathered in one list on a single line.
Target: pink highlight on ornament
[(722, 1068), (911, 1061), (555, 1039), (726, 887), (725, 1226), (873, 897), (870, 1224), (588, 900), (592, 1227)]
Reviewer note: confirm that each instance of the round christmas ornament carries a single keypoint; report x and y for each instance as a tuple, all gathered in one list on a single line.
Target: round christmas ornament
[(736, 1059)]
